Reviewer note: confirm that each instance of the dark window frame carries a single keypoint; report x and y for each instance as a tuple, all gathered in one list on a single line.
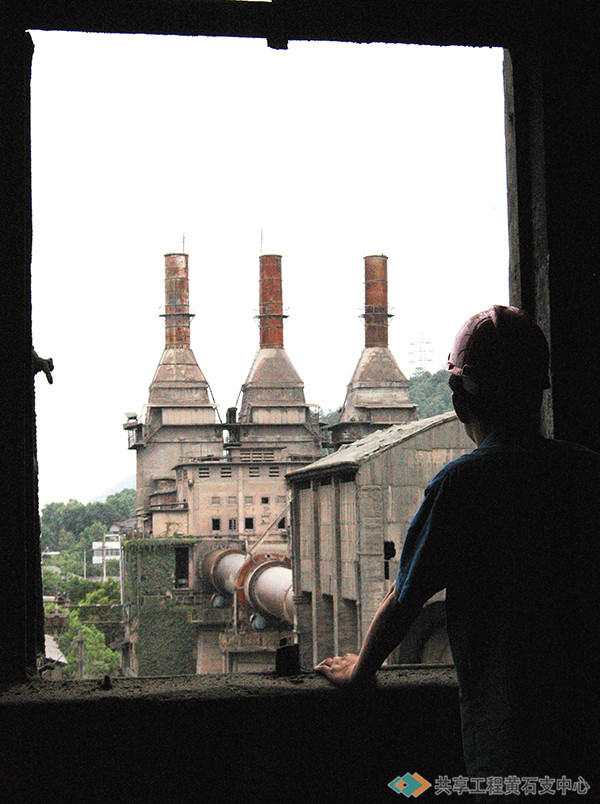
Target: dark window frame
[(458, 27)]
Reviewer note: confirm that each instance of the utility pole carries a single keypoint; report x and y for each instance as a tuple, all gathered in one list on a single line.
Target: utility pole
[(80, 654)]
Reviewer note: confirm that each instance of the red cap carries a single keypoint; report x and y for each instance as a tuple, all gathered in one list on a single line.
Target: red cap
[(500, 345)]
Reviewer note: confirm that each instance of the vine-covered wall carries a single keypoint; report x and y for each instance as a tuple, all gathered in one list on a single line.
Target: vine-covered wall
[(164, 637), (150, 566)]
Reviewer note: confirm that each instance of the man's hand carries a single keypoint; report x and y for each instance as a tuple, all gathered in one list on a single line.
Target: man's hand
[(388, 628), (342, 670)]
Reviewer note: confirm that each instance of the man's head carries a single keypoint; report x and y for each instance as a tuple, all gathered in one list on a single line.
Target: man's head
[(499, 368)]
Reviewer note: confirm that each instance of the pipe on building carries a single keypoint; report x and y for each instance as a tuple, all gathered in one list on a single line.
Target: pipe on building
[(270, 302), (263, 582), (376, 301), (177, 302), (268, 588), (264, 585), (222, 567)]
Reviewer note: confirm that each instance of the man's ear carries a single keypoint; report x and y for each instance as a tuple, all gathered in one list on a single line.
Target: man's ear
[(461, 408)]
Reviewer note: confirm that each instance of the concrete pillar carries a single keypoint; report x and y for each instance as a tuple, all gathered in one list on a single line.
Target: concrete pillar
[(344, 611), (322, 610)]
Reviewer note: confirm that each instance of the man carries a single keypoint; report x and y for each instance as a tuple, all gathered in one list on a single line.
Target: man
[(510, 531)]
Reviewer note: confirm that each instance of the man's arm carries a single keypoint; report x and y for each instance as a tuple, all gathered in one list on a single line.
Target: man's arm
[(388, 628)]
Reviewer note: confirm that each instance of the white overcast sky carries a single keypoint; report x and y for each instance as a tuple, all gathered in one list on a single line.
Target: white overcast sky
[(334, 151)]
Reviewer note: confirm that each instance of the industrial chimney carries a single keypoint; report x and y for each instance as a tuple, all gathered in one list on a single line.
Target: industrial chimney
[(177, 302), (270, 304), (272, 398), (181, 417), (376, 302), (377, 394)]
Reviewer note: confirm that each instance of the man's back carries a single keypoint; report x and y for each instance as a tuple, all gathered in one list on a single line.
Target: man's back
[(516, 525)]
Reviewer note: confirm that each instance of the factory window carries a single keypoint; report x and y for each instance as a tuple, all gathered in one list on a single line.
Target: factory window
[(281, 524), (254, 471), (273, 471), (233, 524), (215, 523), (231, 500), (215, 501), (264, 500), (248, 500), (182, 567)]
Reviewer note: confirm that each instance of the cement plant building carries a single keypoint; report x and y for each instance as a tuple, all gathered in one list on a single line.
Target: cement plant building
[(218, 573)]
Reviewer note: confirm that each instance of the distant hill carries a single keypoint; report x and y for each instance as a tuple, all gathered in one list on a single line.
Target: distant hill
[(430, 392), (126, 483)]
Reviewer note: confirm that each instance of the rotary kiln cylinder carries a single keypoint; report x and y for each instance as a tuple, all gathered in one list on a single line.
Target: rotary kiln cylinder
[(225, 571), (268, 588)]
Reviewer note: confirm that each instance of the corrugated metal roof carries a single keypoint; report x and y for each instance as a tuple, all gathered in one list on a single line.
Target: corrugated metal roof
[(364, 448)]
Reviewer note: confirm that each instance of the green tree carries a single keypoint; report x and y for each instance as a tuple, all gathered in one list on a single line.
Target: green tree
[(52, 581), (112, 567), (70, 562), (430, 392), (93, 533), (77, 588), (74, 517), (101, 596), (51, 524), (99, 512), (99, 660), (123, 503)]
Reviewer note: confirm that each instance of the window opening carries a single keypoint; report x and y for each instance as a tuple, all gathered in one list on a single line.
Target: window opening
[(182, 567), (431, 159)]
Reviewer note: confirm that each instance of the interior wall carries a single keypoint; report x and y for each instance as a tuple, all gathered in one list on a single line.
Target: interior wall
[(177, 744)]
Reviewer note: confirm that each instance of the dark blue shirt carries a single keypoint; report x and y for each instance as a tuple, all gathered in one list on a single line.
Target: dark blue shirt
[(511, 532)]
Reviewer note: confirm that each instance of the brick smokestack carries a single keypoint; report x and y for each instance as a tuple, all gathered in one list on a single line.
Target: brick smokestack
[(376, 301), (270, 304), (177, 302)]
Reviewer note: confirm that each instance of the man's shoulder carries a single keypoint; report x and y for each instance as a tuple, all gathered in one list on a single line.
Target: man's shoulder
[(497, 452), (454, 469), (575, 451)]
